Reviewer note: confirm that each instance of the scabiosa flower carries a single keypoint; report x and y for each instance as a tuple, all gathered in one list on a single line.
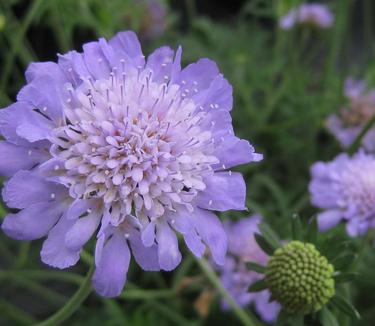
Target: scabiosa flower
[(234, 274), (300, 278), (349, 122), (315, 14), (136, 148), (345, 190)]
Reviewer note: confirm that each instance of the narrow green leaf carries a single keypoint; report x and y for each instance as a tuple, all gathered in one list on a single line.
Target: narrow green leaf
[(312, 230), (258, 286), (297, 231), (263, 244), (327, 318), (256, 267), (270, 235), (345, 277), (344, 306)]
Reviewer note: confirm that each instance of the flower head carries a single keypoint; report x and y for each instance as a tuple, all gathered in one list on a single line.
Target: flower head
[(349, 122), (234, 274), (345, 189), (315, 14), (136, 149), (300, 278)]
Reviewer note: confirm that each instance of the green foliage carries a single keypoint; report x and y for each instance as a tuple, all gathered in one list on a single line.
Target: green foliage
[(285, 84)]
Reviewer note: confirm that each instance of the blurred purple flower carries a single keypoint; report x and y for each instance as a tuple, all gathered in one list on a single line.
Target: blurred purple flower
[(234, 274), (155, 21), (311, 13), (345, 189), (349, 122), (137, 148)]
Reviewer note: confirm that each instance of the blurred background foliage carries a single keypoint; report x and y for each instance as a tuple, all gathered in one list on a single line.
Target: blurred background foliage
[(285, 85)]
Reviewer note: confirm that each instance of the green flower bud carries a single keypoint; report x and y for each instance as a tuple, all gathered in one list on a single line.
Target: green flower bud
[(300, 278)]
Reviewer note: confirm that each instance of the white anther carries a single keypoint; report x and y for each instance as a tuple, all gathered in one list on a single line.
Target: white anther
[(210, 203), (53, 196)]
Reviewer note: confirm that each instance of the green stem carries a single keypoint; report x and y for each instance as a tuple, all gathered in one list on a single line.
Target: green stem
[(245, 318), (87, 258), (41, 291), (18, 40), (14, 313), (22, 255), (42, 275), (138, 294), (3, 211), (357, 142), (73, 304)]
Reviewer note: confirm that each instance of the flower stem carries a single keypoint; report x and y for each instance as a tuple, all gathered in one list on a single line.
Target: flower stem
[(73, 304), (35, 8), (3, 211), (245, 318), (357, 142)]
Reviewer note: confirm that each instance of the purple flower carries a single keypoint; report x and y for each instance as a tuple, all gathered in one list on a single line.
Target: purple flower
[(351, 119), (136, 148), (312, 13), (236, 277), (345, 190), (155, 21)]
